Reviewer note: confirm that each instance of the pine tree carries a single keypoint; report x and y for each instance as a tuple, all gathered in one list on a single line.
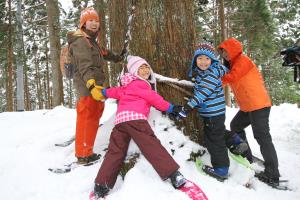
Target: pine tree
[(3, 57), (35, 21), (54, 36)]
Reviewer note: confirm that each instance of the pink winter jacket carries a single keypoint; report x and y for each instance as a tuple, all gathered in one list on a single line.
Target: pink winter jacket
[(136, 95)]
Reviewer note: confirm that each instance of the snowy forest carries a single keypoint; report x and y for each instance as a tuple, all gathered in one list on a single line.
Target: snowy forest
[(164, 32), (41, 117)]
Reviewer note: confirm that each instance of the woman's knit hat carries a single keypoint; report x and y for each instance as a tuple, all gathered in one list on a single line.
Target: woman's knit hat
[(88, 13), (134, 63)]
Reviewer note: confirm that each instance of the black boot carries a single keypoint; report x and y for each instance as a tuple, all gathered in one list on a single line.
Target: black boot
[(100, 191), (264, 178), (235, 143), (88, 159), (177, 179), (274, 182)]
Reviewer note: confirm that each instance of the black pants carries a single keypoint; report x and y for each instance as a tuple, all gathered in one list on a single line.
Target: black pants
[(214, 139), (259, 121)]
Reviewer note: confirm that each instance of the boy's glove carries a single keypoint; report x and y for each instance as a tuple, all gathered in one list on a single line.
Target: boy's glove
[(179, 112), (184, 111), (175, 111), (95, 90)]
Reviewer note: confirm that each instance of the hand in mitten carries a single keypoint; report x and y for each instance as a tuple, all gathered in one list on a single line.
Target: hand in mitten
[(175, 111), (95, 90)]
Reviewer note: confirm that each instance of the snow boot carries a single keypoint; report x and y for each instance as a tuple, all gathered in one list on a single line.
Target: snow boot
[(100, 191), (177, 179), (273, 182), (88, 159), (236, 144), (219, 173)]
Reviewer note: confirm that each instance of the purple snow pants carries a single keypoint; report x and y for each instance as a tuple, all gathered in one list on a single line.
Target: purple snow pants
[(142, 134)]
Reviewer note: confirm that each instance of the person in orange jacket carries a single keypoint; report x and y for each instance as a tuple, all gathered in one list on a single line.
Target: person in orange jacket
[(88, 59), (254, 102)]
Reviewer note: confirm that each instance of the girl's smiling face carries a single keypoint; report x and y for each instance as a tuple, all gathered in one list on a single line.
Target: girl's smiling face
[(144, 72)]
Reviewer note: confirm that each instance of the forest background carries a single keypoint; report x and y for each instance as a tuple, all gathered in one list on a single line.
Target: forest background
[(164, 32)]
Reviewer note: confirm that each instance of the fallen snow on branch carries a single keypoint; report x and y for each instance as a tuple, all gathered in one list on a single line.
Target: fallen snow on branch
[(161, 78)]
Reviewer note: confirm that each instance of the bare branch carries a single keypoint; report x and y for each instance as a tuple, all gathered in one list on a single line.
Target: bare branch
[(175, 83), (41, 19), (34, 6)]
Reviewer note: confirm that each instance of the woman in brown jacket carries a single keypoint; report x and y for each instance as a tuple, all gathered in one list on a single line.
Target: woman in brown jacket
[(252, 97), (88, 59)]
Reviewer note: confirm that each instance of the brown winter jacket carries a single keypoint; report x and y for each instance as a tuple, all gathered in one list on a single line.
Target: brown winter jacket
[(244, 78), (88, 59)]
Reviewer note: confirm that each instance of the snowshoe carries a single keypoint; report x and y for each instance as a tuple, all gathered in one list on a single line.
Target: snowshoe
[(220, 174), (88, 159), (273, 182), (177, 179)]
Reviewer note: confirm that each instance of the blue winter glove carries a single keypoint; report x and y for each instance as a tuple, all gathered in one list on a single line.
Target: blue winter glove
[(181, 112), (174, 110), (103, 91), (184, 112)]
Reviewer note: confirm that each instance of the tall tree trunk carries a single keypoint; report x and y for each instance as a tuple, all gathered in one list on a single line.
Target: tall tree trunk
[(19, 59), (54, 31), (224, 37), (101, 7), (45, 100), (9, 82), (118, 21), (26, 94), (48, 96), (167, 43), (37, 75), (215, 22), (26, 84)]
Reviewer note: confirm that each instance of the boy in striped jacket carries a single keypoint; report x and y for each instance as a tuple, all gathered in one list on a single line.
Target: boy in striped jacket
[(206, 73)]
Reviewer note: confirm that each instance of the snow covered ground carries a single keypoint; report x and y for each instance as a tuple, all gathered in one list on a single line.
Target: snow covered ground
[(27, 151)]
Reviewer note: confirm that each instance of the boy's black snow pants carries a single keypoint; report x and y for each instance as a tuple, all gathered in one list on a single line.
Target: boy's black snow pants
[(214, 138), (259, 120)]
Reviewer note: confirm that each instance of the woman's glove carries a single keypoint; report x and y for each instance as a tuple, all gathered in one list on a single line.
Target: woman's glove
[(95, 90)]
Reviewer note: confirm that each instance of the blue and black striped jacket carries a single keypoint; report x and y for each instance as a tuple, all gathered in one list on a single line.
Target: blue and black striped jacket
[(208, 92)]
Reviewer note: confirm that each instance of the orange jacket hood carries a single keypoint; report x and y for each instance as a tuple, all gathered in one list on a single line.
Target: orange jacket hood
[(244, 78), (233, 48)]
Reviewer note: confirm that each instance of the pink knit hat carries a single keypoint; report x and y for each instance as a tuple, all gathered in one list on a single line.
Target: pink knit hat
[(134, 63)]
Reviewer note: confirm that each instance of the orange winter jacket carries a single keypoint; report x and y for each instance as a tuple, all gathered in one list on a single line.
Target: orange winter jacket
[(244, 78)]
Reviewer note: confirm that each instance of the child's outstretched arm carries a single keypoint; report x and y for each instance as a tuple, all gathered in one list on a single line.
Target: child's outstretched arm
[(143, 90), (239, 70), (114, 92), (202, 90)]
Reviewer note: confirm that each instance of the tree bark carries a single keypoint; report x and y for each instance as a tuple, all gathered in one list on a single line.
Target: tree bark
[(54, 31), (9, 82), (19, 59), (48, 95), (101, 7), (224, 37), (166, 40), (118, 21)]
